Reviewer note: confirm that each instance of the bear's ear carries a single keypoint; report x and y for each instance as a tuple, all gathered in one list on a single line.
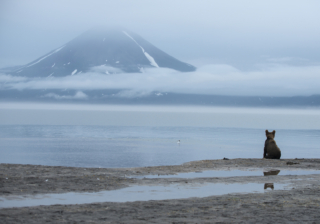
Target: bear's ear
[(274, 133), (267, 132)]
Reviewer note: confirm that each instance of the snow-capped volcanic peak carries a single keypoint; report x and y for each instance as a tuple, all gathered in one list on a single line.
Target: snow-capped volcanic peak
[(116, 48)]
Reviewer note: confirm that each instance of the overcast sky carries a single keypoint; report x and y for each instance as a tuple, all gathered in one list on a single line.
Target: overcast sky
[(246, 47), (241, 33)]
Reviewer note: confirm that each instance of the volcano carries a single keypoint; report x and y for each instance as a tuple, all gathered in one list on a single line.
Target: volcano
[(115, 49)]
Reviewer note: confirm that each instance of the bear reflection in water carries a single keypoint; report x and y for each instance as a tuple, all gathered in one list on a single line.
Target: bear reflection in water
[(268, 185), (270, 173)]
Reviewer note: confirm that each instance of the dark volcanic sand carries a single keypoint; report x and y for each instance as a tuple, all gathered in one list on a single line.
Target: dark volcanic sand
[(300, 204)]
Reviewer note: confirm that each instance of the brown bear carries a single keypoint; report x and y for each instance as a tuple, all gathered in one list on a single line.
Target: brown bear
[(271, 150)]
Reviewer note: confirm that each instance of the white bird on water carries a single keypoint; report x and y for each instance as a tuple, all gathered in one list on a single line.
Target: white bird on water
[(178, 142)]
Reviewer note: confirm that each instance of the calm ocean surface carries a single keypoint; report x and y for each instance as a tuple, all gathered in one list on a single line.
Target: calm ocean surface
[(112, 146), (147, 136)]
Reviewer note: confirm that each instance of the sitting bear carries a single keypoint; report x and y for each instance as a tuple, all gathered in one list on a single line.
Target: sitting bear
[(271, 150)]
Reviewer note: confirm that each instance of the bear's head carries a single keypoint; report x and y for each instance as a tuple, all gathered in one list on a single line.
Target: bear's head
[(270, 134)]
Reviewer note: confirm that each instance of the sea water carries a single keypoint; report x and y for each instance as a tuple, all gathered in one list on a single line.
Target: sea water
[(139, 138), (137, 193)]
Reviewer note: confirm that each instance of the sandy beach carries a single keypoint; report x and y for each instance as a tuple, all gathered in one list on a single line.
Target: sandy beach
[(298, 203)]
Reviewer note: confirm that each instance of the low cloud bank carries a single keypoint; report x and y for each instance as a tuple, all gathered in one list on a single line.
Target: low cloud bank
[(77, 96), (216, 79)]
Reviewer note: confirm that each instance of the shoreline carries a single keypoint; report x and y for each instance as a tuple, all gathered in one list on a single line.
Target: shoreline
[(19, 179), (300, 203)]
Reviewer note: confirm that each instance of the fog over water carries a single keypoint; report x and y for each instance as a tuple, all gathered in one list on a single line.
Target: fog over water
[(180, 116), (208, 79)]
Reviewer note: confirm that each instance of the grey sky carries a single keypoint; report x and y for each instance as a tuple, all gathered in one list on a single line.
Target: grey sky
[(244, 34)]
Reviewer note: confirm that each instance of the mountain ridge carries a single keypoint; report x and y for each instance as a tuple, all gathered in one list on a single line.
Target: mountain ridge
[(117, 48)]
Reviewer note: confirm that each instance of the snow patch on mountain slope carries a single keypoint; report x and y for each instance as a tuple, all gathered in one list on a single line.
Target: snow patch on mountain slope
[(148, 56), (151, 59), (45, 56), (74, 72)]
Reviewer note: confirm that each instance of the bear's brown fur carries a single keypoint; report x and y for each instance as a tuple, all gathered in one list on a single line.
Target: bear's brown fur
[(271, 150)]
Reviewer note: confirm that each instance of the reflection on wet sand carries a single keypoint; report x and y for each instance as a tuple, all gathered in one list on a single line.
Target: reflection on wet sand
[(229, 173), (271, 172), (268, 185)]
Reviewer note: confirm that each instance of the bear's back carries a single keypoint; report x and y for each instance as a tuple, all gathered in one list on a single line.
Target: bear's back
[(271, 149)]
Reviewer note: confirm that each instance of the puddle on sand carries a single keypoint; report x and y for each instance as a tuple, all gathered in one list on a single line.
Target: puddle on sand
[(136, 193), (232, 173)]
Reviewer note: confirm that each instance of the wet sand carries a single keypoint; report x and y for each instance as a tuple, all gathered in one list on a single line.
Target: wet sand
[(299, 203)]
